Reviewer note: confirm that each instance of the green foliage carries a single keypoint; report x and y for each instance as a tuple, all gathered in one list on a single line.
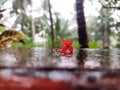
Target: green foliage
[(118, 44), (76, 46), (28, 44), (99, 28), (2, 29), (94, 44), (62, 30)]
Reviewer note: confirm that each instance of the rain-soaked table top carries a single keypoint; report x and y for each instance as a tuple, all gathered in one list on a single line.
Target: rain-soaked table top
[(45, 69)]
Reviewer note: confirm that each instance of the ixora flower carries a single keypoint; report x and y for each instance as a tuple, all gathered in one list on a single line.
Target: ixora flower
[(67, 49)]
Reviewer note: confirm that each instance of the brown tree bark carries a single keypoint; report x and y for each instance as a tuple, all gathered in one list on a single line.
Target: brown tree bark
[(51, 21), (82, 33)]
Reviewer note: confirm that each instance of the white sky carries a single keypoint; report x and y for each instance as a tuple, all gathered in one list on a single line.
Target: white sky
[(91, 9), (65, 7)]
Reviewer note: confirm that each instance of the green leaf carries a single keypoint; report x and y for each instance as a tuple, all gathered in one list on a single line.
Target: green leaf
[(94, 44), (2, 29)]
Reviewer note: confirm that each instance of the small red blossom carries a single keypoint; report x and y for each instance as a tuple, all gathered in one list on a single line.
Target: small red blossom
[(67, 49)]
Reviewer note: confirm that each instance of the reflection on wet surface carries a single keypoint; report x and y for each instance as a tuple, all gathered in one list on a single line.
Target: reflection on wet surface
[(39, 57)]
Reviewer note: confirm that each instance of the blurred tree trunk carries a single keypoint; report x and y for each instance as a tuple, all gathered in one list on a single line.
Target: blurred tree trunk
[(32, 23), (110, 6), (82, 33), (22, 18), (105, 36), (51, 22)]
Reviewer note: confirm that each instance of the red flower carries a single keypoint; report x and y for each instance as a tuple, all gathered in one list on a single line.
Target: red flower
[(67, 49)]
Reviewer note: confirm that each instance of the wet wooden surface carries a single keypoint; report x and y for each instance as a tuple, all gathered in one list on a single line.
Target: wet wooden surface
[(22, 78)]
